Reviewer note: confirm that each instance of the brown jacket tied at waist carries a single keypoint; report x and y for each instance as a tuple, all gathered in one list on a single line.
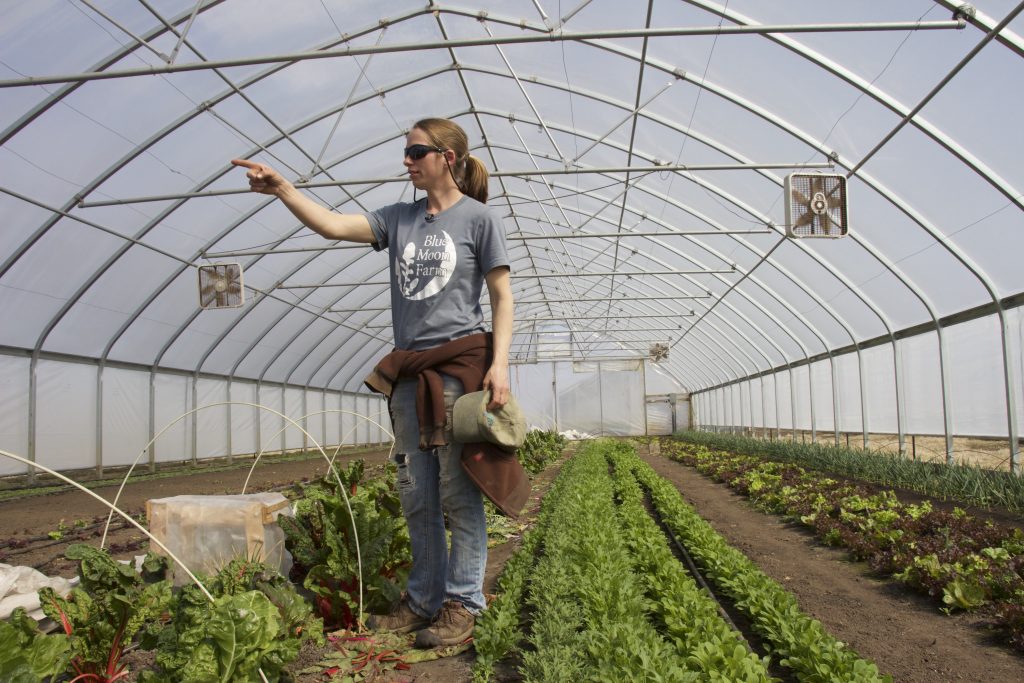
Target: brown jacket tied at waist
[(467, 359), (498, 474)]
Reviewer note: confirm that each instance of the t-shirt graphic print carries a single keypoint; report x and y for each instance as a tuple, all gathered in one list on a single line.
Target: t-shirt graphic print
[(425, 269)]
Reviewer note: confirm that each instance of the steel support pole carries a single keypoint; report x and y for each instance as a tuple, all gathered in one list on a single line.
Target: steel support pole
[(901, 406), (194, 417), (152, 419), (863, 398), (284, 422), (99, 420), (792, 399), (778, 402), (231, 445), (256, 429), (1011, 399), (835, 396), (947, 400)]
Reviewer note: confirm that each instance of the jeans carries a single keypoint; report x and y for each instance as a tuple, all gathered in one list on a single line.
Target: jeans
[(432, 484)]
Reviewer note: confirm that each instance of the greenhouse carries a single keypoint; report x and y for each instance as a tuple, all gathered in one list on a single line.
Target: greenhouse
[(751, 268)]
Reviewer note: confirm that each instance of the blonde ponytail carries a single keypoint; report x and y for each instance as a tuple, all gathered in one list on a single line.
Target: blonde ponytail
[(475, 179)]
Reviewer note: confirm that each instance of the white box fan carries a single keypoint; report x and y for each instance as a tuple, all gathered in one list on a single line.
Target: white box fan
[(220, 285), (816, 205)]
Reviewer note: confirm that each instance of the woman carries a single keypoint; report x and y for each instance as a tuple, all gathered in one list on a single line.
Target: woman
[(442, 250)]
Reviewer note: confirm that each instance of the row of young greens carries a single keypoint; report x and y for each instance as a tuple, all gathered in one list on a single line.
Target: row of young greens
[(961, 561), (688, 616), (804, 645), (255, 623), (960, 482), (607, 600)]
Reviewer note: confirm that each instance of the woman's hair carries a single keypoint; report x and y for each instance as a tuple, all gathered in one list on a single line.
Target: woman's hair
[(469, 173)]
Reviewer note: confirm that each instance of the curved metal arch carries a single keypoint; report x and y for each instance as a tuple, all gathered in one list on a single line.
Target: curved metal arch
[(149, 142), (65, 90), (813, 330), (398, 86), (982, 21), (666, 247), (885, 262), (285, 346), (117, 254), (1011, 193), (213, 178), (737, 156)]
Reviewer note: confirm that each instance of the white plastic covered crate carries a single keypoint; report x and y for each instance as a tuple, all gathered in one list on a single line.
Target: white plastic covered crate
[(207, 532)]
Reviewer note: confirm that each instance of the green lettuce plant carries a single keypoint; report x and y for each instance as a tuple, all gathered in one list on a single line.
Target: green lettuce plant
[(257, 622)]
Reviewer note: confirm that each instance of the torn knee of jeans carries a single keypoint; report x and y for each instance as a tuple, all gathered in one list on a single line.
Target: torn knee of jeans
[(405, 481)]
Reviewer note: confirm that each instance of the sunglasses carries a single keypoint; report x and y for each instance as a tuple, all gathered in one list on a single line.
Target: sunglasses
[(417, 152)]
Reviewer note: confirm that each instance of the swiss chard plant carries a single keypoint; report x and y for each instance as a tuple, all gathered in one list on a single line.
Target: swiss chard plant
[(256, 623), (26, 654), (103, 614), (323, 546)]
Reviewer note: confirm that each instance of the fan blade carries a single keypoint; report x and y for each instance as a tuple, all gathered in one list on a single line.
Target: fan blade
[(800, 198), (803, 220), (826, 223)]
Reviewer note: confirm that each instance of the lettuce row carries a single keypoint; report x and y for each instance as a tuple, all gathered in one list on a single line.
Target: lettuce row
[(684, 613), (803, 643), (590, 619)]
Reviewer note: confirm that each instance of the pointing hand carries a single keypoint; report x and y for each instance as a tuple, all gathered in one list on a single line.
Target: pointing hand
[(262, 178)]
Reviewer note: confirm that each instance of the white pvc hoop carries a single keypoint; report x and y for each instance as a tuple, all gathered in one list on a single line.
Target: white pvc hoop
[(113, 509), (330, 461), (355, 532)]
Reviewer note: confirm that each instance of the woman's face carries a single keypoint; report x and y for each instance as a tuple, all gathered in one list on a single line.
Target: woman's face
[(429, 171)]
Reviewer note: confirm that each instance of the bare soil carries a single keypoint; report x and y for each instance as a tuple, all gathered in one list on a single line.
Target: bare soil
[(907, 636)]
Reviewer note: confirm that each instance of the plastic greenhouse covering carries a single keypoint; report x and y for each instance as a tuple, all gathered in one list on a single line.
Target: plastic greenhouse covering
[(638, 152)]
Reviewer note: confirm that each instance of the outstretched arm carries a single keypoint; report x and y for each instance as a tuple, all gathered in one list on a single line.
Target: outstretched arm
[(499, 288), (330, 224)]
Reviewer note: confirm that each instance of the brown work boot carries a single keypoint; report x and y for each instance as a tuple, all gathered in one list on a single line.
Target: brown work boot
[(452, 625), (401, 619)]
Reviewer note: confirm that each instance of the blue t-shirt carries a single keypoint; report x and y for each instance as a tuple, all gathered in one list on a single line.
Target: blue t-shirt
[(438, 268)]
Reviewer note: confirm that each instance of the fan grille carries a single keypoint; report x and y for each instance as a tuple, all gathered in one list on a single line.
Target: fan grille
[(220, 286), (816, 205)]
